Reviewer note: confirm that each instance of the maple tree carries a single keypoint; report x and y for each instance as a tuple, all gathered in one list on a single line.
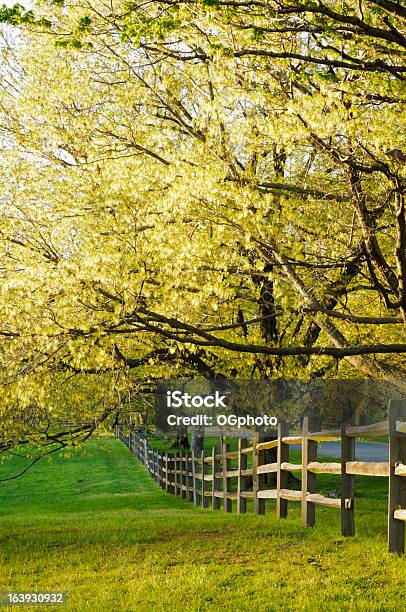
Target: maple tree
[(199, 188)]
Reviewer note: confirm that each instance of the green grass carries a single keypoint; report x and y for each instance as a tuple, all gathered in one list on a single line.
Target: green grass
[(96, 526)]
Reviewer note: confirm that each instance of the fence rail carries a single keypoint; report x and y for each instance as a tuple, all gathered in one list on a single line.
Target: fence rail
[(207, 479)]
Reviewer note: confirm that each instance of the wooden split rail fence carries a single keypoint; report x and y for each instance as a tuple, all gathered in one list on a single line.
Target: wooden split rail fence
[(206, 480)]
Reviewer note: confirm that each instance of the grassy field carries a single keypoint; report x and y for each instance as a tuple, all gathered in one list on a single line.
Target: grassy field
[(97, 527)]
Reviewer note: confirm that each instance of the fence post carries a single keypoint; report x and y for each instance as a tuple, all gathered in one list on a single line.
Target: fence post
[(171, 472), (397, 484), (258, 480), (205, 471), (227, 506), (242, 480), (162, 474), (309, 453), (347, 480), (183, 474), (215, 484), (166, 471), (185, 465), (179, 472), (152, 468), (175, 473), (188, 489), (281, 475), (160, 470), (190, 477), (195, 478)]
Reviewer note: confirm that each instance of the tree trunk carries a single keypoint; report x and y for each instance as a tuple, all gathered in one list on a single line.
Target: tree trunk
[(197, 443), (181, 442)]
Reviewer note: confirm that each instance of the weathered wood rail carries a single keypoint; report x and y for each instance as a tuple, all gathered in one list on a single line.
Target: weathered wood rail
[(207, 480)]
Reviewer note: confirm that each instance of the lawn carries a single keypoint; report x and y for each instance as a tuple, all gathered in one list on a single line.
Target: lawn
[(97, 527)]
